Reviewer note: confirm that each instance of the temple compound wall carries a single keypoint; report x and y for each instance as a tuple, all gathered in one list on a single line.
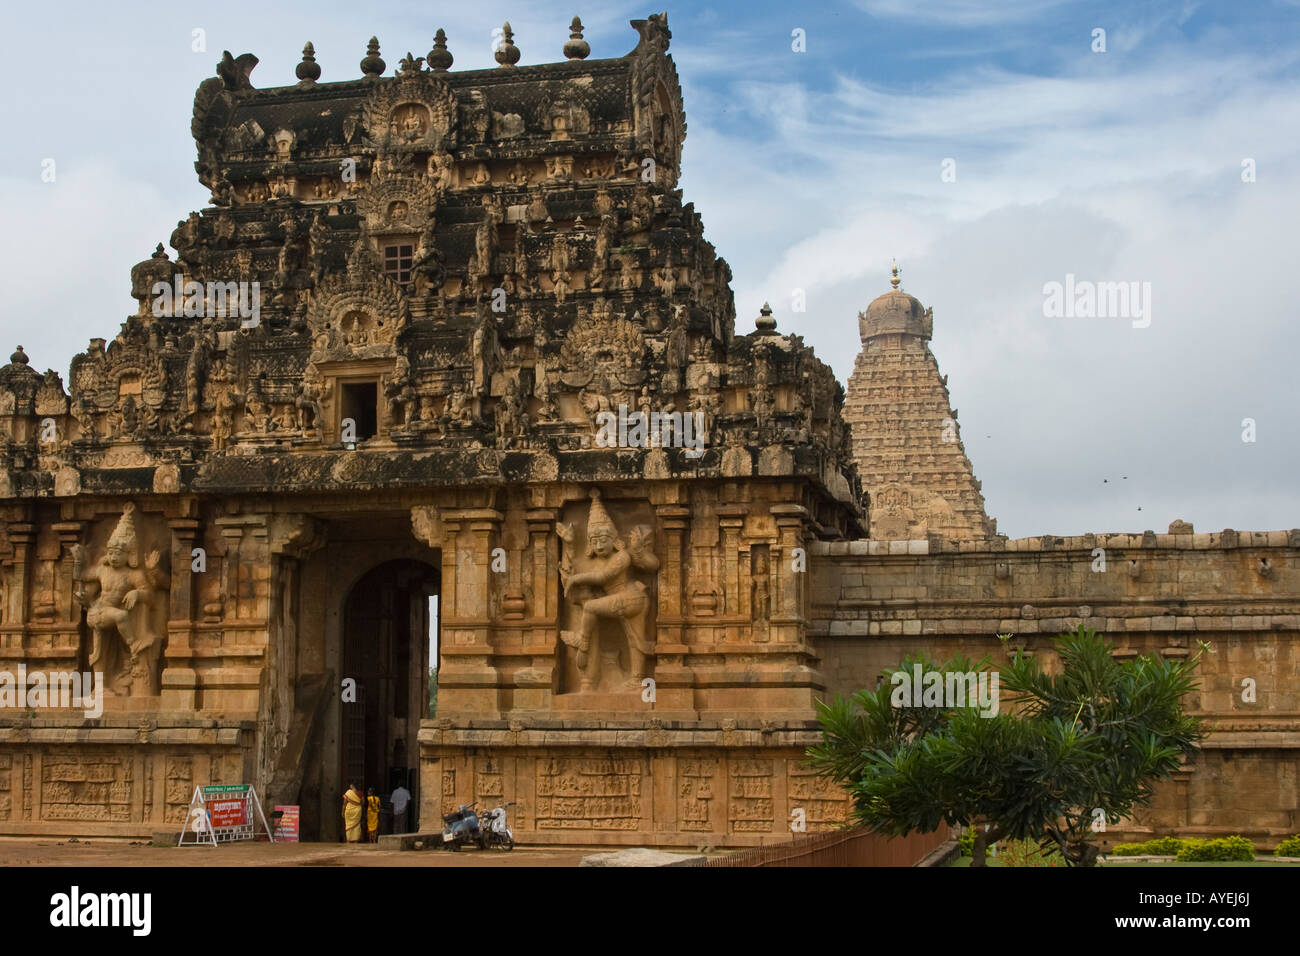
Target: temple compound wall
[(877, 602), (424, 443)]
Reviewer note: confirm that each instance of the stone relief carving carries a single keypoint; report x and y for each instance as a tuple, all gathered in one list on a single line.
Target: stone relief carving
[(600, 583), (126, 610)]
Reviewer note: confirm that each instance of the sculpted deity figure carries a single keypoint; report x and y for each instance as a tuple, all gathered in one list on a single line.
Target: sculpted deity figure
[(441, 168), (126, 644), (257, 410), (228, 403), (308, 403), (400, 393), (607, 589), (485, 351)]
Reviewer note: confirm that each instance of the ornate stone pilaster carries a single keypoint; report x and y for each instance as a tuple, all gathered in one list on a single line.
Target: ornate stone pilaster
[(731, 518), (673, 522), (233, 533), (543, 560), (790, 558), (22, 534), (69, 533), (184, 531)]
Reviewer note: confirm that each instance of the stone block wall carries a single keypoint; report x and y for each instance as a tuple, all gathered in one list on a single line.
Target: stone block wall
[(875, 602)]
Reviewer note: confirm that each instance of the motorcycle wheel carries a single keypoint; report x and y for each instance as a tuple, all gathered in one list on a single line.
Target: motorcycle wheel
[(455, 847), (507, 843), (483, 842)]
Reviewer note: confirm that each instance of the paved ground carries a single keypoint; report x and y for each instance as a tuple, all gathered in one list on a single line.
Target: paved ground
[(46, 852)]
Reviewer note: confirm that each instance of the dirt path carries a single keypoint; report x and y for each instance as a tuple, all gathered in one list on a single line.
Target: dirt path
[(45, 852)]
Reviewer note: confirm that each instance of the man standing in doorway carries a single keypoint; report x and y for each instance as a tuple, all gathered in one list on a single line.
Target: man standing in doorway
[(401, 799)]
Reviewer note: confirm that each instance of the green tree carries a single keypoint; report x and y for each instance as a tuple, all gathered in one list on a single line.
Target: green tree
[(1087, 740), (433, 691)]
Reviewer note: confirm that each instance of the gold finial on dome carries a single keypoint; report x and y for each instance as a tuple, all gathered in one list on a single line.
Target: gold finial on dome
[(894, 279)]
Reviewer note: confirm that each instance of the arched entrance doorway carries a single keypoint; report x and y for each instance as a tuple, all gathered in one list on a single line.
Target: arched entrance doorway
[(389, 625)]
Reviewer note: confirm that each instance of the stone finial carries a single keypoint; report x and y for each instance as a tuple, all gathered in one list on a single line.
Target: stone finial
[(893, 278), (19, 357), (159, 253), (410, 63), (765, 323), (507, 54), (373, 65), (576, 48), (308, 71), (440, 58)]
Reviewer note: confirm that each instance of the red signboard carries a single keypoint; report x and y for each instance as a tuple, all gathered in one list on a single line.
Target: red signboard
[(228, 813), (287, 828)]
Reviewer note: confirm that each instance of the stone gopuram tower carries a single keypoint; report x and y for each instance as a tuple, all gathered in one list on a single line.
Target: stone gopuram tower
[(449, 335), (906, 441)]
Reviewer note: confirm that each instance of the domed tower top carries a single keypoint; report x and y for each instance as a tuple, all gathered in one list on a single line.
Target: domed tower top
[(895, 313)]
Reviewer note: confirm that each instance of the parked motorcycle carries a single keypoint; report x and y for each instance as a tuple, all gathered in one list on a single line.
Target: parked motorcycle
[(463, 828), (497, 829)]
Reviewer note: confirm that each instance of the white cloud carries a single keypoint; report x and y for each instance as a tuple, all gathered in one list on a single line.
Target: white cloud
[(1129, 174), (959, 12)]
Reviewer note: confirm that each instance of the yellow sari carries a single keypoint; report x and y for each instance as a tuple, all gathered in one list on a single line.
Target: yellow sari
[(372, 818), (352, 815)]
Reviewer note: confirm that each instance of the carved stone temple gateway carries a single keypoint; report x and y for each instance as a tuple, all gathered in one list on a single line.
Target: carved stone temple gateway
[(459, 272)]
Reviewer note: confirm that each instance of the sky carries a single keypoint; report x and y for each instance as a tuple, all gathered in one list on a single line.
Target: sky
[(991, 149)]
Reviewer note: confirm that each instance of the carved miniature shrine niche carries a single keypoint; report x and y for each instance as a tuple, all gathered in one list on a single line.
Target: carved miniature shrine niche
[(608, 564)]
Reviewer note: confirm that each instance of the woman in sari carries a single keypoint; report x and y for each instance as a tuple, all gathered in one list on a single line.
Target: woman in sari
[(352, 814), (372, 818)]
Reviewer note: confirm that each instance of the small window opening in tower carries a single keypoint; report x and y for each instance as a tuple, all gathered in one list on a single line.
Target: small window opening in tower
[(397, 261), (361, 404)]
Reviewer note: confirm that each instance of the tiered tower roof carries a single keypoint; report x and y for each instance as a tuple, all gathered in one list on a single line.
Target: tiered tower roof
[(906, 440)]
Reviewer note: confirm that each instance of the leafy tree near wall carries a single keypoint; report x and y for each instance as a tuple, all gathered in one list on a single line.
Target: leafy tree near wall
[(433, 691), (1085, 743)]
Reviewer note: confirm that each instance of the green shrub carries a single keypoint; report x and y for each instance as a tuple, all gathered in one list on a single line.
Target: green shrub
[(1160, 846), (1288, 847), (1222, 848), (967, 841)]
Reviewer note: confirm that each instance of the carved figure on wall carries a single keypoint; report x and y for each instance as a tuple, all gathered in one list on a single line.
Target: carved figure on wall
[(401, 395), (441, 169), (257, 410), (128, 418), (485, 351), (458, 406), (196, 372), (605, 234), (228, 403), (126, 643), (428, 272), (512, 419), (606, 589)]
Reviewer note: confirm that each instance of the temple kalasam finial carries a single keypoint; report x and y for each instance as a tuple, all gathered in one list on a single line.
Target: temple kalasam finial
[(373, 65), (439, 58), (308, 71), (894, 279), (576, 48), (507, 54)]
